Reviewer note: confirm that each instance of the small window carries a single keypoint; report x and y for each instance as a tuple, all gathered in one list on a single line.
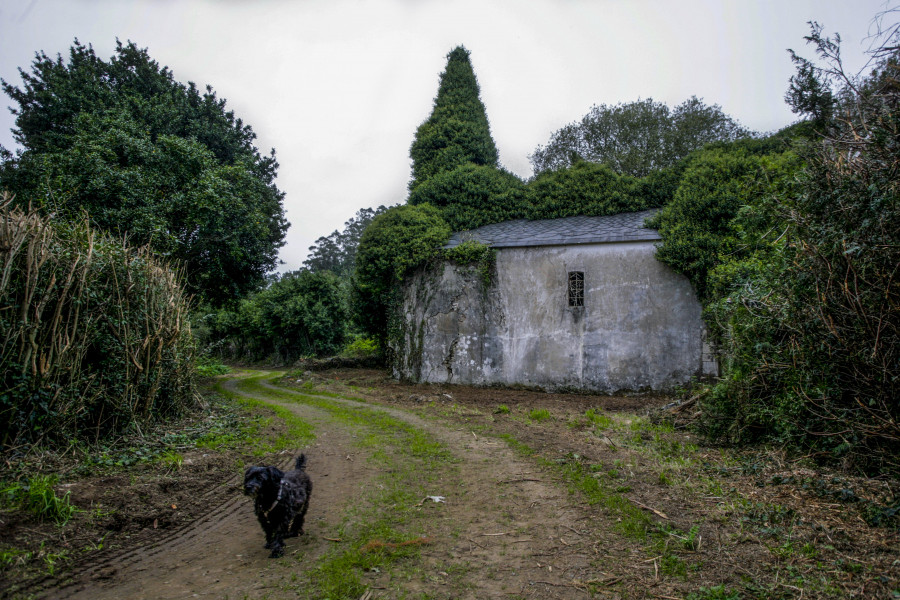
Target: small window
[(576, 288)]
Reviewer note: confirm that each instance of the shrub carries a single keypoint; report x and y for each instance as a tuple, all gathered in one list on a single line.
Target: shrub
[(398, 241), (583, 189), (361, 347), (472, 195), (95, 339), (209, 366), (302, 314), (797, 264), (38, 497)]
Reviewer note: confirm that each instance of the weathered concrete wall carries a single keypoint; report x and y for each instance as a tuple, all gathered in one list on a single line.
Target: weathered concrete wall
[(639, 328)]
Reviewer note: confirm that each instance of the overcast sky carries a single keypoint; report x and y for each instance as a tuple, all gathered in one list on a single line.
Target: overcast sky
[(338, 87)]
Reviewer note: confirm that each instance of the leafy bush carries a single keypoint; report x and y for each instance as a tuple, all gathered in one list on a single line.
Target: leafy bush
[(361, 347), (95, 339), (209, 366), (797, 265), (398, 241), (709, 220), (473, 195), (302, 314), (583, 189)]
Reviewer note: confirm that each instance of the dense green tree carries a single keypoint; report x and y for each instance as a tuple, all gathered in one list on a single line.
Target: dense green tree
[(151, 159), (637, 138), (473, 195), (795, 255), (583, 189), (457, 132), (301, 314), (396, 242), (696, 225), (337, 252)]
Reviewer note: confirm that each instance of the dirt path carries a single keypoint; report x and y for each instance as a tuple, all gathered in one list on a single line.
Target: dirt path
[(544, 496), (221, 554), (502, 520)]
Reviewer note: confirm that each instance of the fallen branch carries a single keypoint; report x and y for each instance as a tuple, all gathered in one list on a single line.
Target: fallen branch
[(653, 510)]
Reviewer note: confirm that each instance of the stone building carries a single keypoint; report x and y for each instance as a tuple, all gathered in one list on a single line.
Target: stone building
[(571, 303)]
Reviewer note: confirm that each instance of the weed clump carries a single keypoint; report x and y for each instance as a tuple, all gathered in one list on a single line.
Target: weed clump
[(38, 498)]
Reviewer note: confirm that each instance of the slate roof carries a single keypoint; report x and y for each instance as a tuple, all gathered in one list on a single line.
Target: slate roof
[(623, 227)]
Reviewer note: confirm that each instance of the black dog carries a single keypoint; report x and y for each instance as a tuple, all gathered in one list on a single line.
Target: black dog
[(281, 501)]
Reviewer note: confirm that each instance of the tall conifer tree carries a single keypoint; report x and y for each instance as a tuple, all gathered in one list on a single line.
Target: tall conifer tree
[(457, 132)]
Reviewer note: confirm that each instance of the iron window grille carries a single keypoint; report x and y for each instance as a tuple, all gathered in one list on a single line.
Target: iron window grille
[(576, 288)]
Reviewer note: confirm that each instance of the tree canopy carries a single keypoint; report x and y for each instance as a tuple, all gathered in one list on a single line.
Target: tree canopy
[(150, 159), (457, 132), (336, 252), (396, 242), (794, 251), (473, 195), (637, 138), (301, 314)]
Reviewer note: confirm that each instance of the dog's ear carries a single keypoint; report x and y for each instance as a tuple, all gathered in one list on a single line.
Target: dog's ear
[(274, 473)]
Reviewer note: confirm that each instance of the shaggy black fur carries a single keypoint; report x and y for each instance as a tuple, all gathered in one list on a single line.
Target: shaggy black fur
[(281, 500)]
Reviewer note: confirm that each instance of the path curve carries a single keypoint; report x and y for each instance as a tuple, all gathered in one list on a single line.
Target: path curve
[(509, 526)]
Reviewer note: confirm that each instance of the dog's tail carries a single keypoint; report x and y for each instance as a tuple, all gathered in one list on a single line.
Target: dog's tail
[(301, 462)]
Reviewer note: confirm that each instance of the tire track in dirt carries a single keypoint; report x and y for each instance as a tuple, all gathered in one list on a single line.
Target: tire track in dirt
[(506, 527), (221, 554)]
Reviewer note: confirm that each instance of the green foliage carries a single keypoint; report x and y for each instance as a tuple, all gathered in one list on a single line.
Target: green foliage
[(457, 132), (476, 254), (398, 241), (599, 420), (698, 226), (210, 366), (361, 347), (583, 189), (38, 498), (637, 138), (337, 251), (796, 262), (95, 338), (301, 314), (539, 414), (471, 195), (150, 159)]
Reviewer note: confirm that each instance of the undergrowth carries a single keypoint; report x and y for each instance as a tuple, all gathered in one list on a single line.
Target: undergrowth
[(37, 497)]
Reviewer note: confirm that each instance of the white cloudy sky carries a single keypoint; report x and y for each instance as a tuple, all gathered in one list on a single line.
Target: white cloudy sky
[(338, 87)]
